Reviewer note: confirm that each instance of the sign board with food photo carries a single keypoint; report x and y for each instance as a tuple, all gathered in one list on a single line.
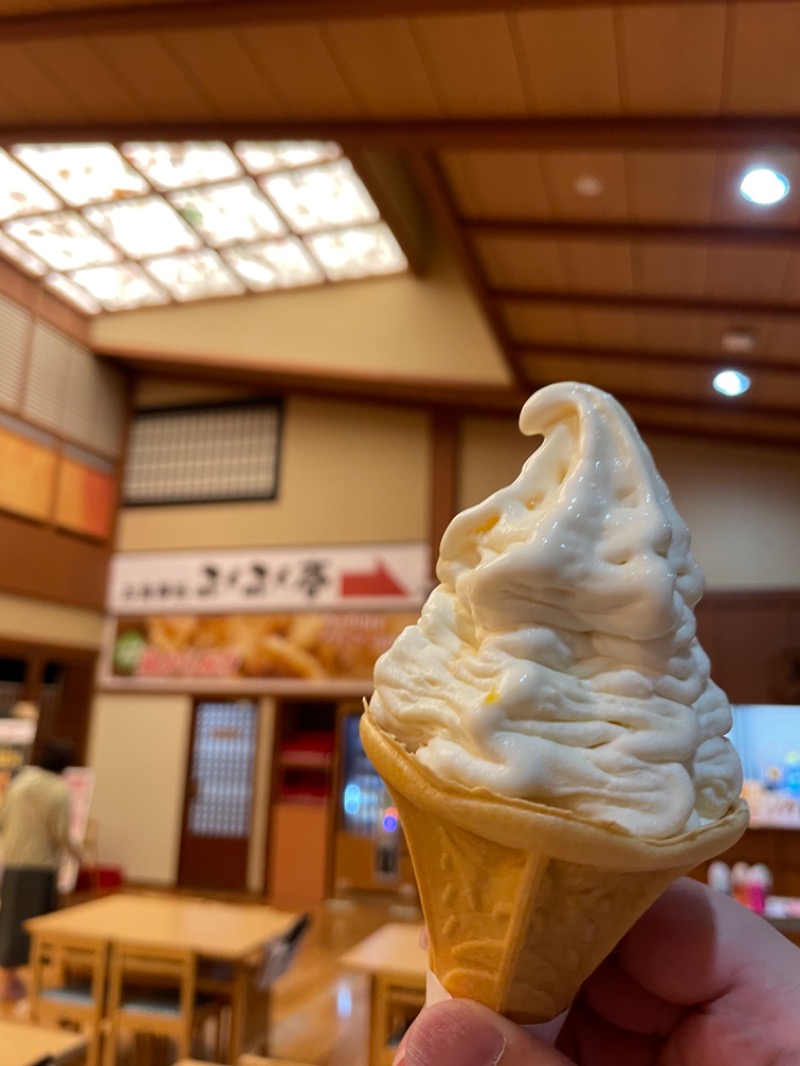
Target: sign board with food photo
[(273, 620)]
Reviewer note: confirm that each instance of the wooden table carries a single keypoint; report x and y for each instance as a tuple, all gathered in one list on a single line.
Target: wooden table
[(226, 932), (396, 965), (26, 1045)]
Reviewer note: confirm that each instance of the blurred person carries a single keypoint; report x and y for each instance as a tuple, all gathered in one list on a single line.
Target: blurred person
[(34, 835), (698, 981)]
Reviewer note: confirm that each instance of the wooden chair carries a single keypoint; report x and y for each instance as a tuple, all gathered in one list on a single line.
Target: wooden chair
[(154, 993), (68, 986), (248, 993)]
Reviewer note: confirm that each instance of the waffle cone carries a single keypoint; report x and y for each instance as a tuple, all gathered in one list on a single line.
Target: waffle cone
[(523, 901)]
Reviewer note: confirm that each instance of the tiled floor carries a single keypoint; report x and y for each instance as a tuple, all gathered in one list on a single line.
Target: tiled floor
[(320, 1011)]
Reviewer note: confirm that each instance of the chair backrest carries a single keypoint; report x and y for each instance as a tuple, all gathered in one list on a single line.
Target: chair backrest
[(154, 969), (56, 964), (279, 954)]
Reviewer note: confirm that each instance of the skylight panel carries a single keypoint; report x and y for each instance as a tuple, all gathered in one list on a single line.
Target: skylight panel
[(82, 173), (20, 193), (260, 157), (149, 222), (72, 293), (195, 275), (63, 240), (318, 197), (274, 264), (227, 213), (144, 227), (21, 256), (181, 164), (120, 286), (358, 252)]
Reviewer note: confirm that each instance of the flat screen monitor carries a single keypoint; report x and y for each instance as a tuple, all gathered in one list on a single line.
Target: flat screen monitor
[(767, 738)]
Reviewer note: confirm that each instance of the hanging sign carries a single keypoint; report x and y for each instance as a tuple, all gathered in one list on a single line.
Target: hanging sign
[(382, 576)]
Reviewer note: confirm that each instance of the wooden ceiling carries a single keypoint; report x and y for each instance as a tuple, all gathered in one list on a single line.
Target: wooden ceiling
[(497, 111)]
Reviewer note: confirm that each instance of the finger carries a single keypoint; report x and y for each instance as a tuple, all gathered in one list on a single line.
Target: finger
[(593, 1041), (694, 945), (613, 994), (461, 1033)]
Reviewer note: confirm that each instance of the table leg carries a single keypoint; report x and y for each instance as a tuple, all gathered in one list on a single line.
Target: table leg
[(377, 1021)]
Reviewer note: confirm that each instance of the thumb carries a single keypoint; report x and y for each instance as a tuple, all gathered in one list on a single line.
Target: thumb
[(462, 1033)]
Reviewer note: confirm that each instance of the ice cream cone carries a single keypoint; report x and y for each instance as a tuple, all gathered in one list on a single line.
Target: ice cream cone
[(522, 901)]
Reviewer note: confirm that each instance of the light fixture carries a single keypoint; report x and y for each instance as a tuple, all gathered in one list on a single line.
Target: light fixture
[(731, 382), (738, 341), (588, 185), (113, 228), (763, 185)]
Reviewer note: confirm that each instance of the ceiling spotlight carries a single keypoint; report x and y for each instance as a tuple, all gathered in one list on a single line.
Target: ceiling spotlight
[(738, 341), (731, 382), (763, 185), (588, 185)]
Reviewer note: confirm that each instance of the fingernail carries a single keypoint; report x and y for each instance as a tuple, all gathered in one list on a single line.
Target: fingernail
[(468, 1041)]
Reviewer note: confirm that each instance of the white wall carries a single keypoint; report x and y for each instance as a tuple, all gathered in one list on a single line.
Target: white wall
[(138, 748)]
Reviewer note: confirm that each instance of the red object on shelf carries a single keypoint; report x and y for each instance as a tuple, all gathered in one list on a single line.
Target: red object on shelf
[(312, 742), (91, 878)]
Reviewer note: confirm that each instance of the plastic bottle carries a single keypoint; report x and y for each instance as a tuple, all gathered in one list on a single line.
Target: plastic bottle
[(739, 882), (719, 877), (757, 887)]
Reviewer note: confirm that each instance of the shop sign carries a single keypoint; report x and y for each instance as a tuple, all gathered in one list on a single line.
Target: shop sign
[(277, 579)]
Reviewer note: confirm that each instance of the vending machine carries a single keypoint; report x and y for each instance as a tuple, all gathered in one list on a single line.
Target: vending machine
[(371, 852)]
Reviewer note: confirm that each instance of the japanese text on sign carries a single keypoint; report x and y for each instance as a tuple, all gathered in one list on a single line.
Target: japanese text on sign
[(280, 579)]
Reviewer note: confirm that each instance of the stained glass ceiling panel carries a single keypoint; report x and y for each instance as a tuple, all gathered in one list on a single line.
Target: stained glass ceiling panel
[(64, 240), (196, 274), (358, 252), (147, 218), (323, 196), (227, 213), (274, 264), (20, 193), (120, 286), (19, 255), (260, 157), (144, 227), (82, 173), (179, 164), (73, 293)]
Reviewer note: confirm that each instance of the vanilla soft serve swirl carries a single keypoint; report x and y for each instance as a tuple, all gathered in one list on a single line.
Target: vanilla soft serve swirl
[(557, 659)]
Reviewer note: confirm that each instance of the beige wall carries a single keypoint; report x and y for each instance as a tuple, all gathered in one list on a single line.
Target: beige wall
[(138, 748), (742, 503), (427, 327), (49, 623), (350, 473)]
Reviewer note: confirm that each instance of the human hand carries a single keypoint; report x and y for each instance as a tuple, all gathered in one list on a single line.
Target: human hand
[(698, 980)]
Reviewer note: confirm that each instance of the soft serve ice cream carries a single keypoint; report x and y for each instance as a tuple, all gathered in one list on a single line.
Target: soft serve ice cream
[(557, 660)]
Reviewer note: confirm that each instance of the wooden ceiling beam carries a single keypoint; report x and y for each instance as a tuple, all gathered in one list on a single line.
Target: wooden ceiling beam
[(741, 311), (440, 200), (177, 14), (666, 134), (361, 386), (706, 360), (777, 237)]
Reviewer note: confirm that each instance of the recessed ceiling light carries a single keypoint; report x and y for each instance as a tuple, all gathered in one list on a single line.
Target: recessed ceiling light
[(589, 185), (731, 382), (738, 341), (763, 185)]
